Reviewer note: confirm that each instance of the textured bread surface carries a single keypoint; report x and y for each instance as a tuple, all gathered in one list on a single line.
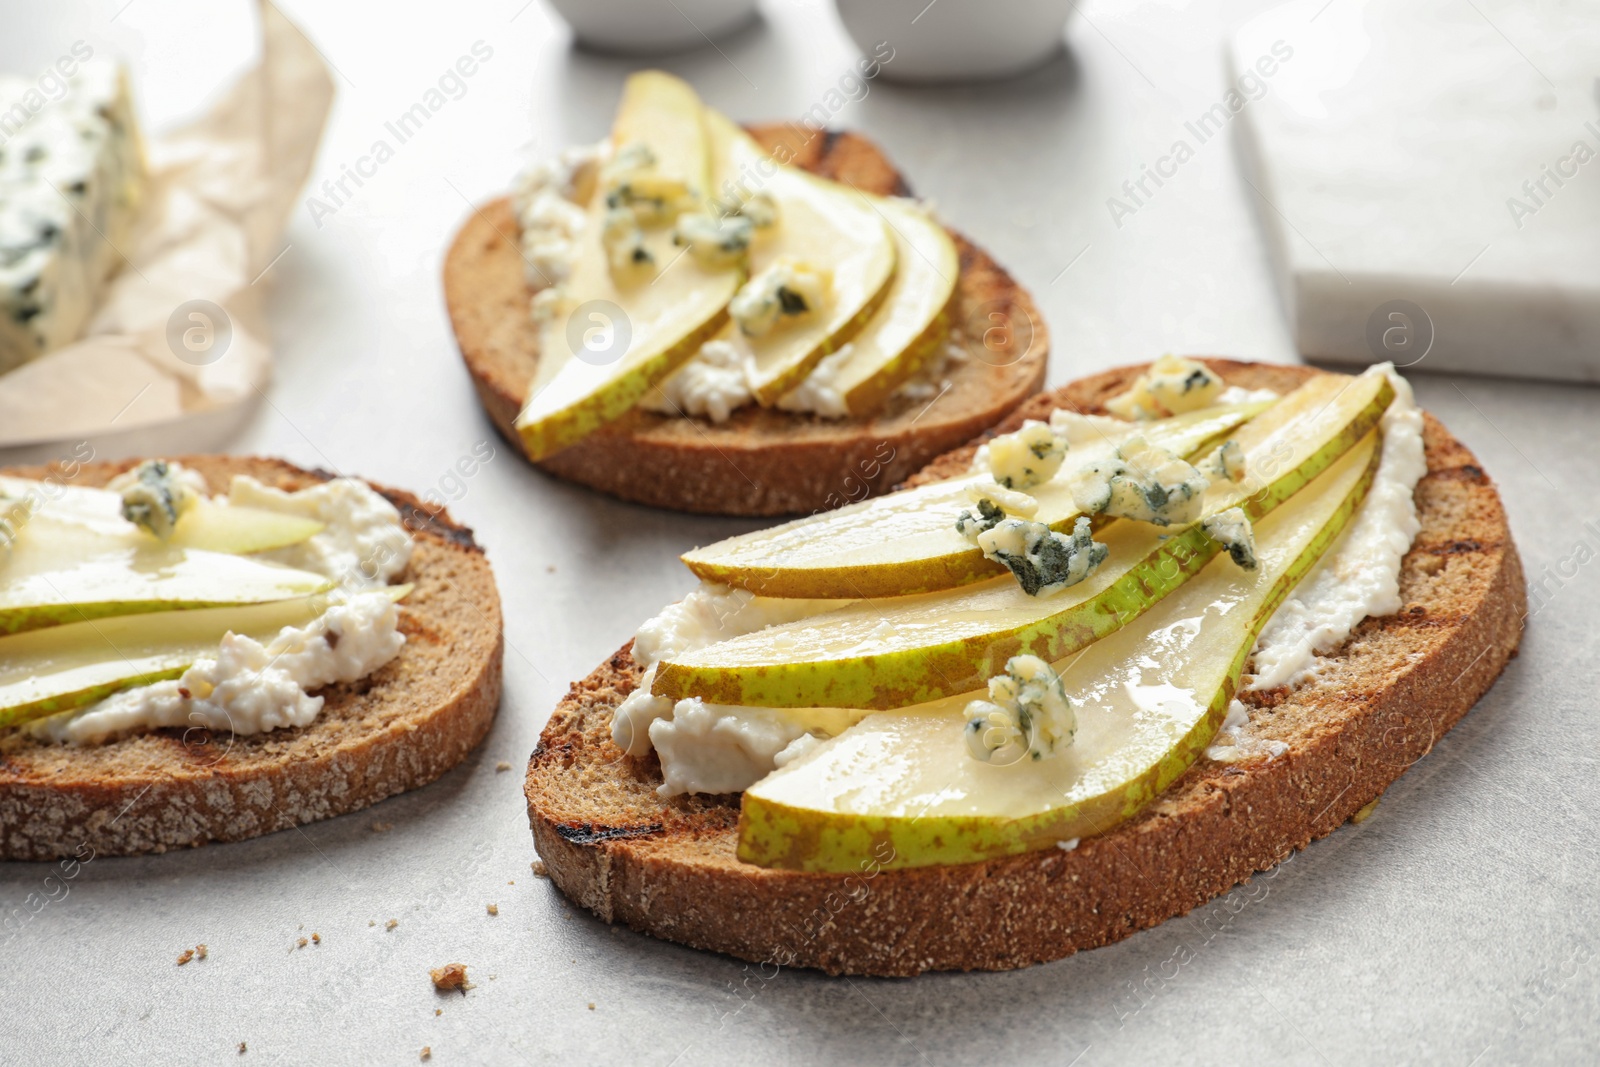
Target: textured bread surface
[(668, 868), (399, 728), (759, 462)]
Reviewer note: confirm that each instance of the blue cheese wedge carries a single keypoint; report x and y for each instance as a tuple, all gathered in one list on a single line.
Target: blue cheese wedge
[(1027, 458), (1043, 562), (71, 178), (1231, 529), (1142, 482), (1027, 715), (1172, 386), (785, 292)]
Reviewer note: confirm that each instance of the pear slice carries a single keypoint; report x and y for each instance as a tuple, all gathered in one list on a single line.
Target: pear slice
[(1148, 699), (72, 666), (608, 339), (240, 530), (906, 542), (62, 571), (820, 223), (891, 654), (913, 322), (213, 526)]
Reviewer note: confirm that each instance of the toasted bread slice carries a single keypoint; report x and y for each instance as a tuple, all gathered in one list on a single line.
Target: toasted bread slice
[(668, 868), (761, 461), (399, 728)]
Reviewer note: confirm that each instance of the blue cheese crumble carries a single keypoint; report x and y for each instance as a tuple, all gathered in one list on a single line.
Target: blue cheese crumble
[(1227, 461), (1172, 386), (1232, 530), (714, 241), (1027, 715), (786, 292), (632, 183), (1028, 457), (623, 241), (994, 503), (1043, 562), (1143, 482), (155, 495)]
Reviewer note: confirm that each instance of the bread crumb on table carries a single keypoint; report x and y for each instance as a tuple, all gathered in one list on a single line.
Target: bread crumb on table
[(242, 1048), (427, 1052), (382, 827), (200, 950), (301, 943), (540, 869), (391, 924), (438, 1011), (591, 1005), (188, 954), (450, 977), (494, 909), (316, 939), (502, 766)]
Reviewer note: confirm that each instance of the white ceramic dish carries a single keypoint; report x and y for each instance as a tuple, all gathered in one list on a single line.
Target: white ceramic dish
[(641, 27), (957, 40)]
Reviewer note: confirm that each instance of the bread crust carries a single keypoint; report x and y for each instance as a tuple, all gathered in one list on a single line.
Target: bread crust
[(668, 868), (400, 728), (759, 462)]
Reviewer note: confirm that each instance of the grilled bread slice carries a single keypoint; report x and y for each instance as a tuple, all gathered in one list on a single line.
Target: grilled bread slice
[(668, 868), (761, 461), (399, 728)]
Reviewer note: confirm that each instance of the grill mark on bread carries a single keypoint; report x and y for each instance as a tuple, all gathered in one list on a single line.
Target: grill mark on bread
[(590, 834)]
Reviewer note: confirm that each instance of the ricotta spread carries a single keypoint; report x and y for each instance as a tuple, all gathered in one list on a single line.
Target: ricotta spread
[(1360, 576), (249, 687), (716, 382), (703, 747), (363, 544), (713, 384), (819, 393), (548, 200)]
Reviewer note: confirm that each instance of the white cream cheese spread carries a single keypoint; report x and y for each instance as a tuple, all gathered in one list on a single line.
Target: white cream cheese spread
[(819, 393), (363, 544), (713, 384), (704, 747), (248, 687), (548, 201), (1360, 576)]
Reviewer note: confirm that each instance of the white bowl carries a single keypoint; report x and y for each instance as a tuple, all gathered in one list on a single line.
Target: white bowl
[(643, 26), (957, 40)]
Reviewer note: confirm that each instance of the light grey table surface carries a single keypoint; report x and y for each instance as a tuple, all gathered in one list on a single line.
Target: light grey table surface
[(1458, 925)]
